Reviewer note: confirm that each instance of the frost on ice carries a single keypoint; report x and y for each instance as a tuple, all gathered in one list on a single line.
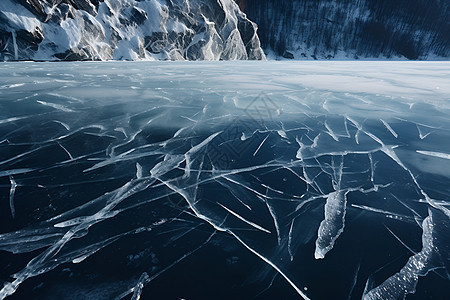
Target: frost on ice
[(119, 179)]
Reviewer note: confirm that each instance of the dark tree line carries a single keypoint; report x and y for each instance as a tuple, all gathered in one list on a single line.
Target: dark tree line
[(414, 29)]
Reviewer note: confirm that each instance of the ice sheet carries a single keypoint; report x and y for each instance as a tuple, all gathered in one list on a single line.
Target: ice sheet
[(248, 180)]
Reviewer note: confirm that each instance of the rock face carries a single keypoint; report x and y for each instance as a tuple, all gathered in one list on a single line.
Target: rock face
[(126, 30), (327, 29)]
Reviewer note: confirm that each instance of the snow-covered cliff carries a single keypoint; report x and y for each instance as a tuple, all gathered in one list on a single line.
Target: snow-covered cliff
[(351, 29), (126, 29)]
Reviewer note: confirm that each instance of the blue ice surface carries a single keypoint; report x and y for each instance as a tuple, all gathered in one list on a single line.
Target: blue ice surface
[(224, 180)]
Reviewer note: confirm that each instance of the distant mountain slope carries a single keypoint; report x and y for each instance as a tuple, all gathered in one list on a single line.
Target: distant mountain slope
[(126, 29), (309, 29)]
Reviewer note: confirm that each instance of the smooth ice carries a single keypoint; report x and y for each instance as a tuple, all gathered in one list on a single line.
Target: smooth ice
[(261, 180)]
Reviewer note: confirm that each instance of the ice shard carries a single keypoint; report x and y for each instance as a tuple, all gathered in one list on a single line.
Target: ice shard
[(429, 258), (333, 224), (11, 196)]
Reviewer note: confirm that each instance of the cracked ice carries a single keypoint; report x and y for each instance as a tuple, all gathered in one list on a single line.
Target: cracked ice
[(243, 179)]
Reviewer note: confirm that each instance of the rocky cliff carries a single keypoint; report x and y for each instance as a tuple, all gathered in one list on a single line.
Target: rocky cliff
[(126, 29), (351, 29)]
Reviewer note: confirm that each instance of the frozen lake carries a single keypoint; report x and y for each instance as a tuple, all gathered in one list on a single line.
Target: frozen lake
[(225, 180)]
